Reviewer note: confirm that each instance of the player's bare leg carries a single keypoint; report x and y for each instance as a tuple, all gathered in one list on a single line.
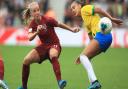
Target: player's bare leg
[(56, 67), (90, 51)]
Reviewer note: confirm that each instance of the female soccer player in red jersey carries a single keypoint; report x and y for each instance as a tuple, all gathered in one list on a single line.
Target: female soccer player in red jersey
[(2, 83), (50, 48)]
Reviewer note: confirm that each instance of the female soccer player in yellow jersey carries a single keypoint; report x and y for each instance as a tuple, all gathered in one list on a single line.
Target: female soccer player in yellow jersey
[(99, 42)]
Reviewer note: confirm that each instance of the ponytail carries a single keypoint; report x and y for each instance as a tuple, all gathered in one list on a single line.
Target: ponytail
[(26, 16)]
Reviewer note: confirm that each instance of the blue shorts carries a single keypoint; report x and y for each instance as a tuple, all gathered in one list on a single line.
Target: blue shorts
[(104, 40)]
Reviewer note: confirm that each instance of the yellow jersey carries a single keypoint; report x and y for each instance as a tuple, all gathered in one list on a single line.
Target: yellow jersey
[(90, 19)]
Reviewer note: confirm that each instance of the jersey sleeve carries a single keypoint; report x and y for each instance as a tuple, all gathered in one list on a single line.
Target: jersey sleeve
[(52, 22), (88, 10)]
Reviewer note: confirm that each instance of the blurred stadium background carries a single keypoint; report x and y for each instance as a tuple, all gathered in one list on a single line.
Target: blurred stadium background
[(111, 67)]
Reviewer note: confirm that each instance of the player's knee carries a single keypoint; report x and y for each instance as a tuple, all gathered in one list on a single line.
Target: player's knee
[(90, 54), (86, 54), (26, 61), (53, 54)]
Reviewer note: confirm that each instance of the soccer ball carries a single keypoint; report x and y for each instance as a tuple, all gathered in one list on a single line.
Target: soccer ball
[(105, 25)]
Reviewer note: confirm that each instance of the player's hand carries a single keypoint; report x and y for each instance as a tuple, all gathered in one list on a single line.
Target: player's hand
[(117, 21), (77, 61), (44, 26), (76, 29), (39, 28)]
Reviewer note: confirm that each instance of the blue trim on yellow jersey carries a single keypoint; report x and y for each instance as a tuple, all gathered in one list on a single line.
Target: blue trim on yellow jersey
[(104, 40)]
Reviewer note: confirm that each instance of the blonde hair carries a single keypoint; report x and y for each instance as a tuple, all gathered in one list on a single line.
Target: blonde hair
[(27, 12)]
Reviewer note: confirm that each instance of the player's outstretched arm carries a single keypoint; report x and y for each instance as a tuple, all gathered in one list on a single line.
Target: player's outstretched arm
[(106, 14), (66, 27)]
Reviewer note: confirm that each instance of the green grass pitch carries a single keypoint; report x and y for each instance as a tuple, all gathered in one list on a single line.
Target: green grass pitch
[(111, 69)]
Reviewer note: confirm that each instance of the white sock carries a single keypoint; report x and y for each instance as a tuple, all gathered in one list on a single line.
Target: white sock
[(88, 66)]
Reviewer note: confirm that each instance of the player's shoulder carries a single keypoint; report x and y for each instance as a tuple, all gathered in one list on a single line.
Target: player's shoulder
[(87, 7), (43, 17), (87, 10), (48, 18)]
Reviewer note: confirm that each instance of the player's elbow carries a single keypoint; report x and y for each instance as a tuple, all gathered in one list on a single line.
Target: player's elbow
[(30, 38)]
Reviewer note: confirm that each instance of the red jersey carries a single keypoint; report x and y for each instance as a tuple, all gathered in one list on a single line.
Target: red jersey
[(48, 35)]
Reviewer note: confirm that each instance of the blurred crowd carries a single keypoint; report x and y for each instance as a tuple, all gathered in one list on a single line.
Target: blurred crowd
[(11, 11)]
